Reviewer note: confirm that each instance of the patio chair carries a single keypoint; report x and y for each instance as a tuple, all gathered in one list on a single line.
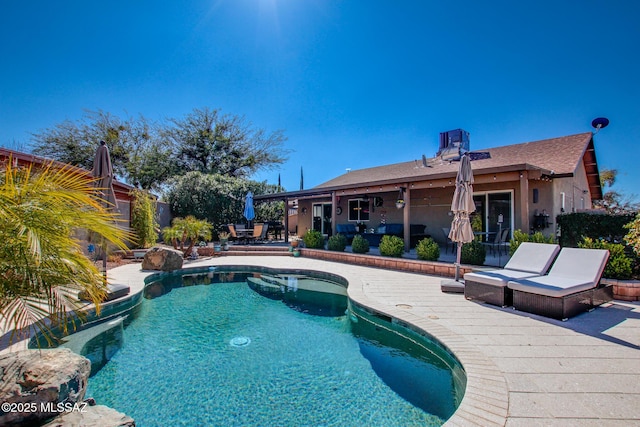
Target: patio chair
[(504, 242), (447, 240), (233, 233), (570, 288), (265, 232), (529, 260), (257, 232), (498, 242)]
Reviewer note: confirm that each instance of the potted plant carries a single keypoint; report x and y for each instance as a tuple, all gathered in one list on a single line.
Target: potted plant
[(296, 252), (295, 241), (224, 240)]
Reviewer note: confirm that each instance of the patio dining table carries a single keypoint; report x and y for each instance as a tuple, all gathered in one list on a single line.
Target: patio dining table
[(244, 233), (485, 234)]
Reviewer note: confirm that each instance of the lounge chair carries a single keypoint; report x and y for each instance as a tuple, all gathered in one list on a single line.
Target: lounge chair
[(529, 260), (114, 291), (570, 288)]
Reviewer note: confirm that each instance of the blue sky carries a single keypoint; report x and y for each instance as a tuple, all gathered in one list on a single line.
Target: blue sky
[(354, 84)]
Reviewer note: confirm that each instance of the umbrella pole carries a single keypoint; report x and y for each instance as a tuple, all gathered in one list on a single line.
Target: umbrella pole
[(104, 260), (458, 256)]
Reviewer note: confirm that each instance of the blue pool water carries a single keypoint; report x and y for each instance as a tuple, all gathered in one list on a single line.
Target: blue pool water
[(226, 349)]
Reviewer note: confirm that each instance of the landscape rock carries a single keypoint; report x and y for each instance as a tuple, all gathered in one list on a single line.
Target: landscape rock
[(163, 259), (33, 380), (92, 416)]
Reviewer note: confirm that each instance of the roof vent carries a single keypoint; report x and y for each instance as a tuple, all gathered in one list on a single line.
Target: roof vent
[(453, 144)]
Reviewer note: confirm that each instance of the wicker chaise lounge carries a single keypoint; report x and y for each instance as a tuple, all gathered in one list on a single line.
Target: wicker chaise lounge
[(529, 260), (570, 288)]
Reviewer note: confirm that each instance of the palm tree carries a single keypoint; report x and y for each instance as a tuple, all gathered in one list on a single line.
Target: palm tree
[(42, 265), (195, 229), (172, 234), (187, 229)]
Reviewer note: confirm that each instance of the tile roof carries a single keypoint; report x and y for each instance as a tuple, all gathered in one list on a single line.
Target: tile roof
[(561, 155)]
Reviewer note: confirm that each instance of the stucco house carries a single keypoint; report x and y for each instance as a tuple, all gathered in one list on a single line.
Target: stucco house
[(524, 186)]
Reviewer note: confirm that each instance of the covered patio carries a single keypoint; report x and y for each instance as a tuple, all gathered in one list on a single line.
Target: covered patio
[(522, 186)]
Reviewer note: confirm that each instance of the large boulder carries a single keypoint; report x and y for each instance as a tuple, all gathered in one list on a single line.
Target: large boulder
[(33, 380), (163, 259), (92, 416)]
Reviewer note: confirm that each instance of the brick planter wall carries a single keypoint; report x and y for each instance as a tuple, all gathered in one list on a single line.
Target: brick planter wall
[(624, 290), (400, 264)]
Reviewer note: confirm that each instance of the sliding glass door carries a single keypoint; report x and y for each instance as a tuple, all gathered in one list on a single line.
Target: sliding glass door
[(322, 218), (495, 210)]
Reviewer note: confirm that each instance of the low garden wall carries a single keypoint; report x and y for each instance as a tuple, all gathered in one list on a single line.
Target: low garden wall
[(401, 264), (624, 290)]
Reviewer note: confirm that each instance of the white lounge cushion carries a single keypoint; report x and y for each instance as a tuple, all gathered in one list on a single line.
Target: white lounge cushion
[(574, 270), (552, 286), (531, 257), (529, 260), (580, 264), (498, 278)]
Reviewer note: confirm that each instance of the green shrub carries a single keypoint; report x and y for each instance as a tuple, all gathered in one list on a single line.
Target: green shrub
[(143, 218), (359, 245), (313, 239), (337, 243), (428, 250), (473, 253), (392, 246), (619, 265), (575, 226), (520, 237), (633, 236)]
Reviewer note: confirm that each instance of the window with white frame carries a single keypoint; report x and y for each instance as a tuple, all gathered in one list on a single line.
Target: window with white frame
[(358, 210)]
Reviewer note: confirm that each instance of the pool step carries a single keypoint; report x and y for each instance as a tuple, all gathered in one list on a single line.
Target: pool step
[(295, 282)]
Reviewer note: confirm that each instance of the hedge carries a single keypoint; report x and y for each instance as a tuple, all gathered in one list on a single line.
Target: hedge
[(575, 226)]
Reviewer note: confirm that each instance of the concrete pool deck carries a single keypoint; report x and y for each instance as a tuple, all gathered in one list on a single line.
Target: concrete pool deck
[(522, 369)]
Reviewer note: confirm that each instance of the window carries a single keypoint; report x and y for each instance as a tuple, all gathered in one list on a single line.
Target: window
[(358, 210)]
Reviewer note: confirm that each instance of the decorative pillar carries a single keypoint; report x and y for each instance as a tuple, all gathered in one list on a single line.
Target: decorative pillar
[(407, 218), (286, 220), (524, 202), (334, 215)]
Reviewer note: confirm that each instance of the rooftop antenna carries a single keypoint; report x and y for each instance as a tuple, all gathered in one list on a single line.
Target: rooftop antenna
[(599, 123), (348, 170)]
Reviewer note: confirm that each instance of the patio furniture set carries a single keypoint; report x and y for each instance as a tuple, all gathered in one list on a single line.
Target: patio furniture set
[(416, 233), (542, 279), (249, 235)]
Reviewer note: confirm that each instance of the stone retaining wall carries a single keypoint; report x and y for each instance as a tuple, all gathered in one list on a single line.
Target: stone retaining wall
[(624, 290)]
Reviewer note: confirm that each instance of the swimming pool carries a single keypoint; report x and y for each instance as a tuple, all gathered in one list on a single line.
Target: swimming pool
[(239, 347)]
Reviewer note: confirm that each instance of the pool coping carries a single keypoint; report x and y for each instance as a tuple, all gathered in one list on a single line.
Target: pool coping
[(485, 400)]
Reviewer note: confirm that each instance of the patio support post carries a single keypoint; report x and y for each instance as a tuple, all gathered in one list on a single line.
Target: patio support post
[(286, 220), (407, 218), (334, 219), (524, 201)]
